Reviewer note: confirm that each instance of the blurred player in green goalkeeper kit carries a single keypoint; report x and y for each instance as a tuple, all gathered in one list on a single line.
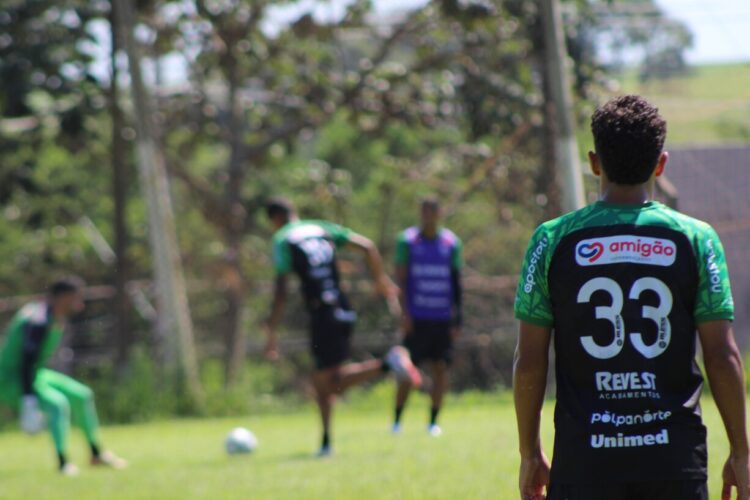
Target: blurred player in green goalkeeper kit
[(308, 248), (428, 269), (624, 284), (32, 338)]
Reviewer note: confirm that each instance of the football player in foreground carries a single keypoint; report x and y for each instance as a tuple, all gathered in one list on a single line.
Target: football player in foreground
[(624, 284)]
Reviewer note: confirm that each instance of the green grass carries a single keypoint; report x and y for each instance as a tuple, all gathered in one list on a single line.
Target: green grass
[(709, 106), (184, 459)]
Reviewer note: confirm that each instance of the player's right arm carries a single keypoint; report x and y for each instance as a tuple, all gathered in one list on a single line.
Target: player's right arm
[(282, 264), (33, 337), (31, 417), (530, 367), (533, 308)]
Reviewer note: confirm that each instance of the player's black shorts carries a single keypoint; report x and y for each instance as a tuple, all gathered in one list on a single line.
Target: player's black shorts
[(330, 335), (650, 490), (430, 340)]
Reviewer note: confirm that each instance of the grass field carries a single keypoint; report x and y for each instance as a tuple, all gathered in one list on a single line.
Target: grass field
[(708, 106), (184, 459)]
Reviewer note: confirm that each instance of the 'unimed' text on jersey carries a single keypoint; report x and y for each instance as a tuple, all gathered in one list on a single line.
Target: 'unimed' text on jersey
[(623, 289), (309, 249)]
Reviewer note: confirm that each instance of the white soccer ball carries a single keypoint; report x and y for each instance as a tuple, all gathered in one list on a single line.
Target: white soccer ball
[(240, 441)]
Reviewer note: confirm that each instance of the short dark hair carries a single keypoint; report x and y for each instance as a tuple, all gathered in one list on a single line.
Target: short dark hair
[(629, 138), (431, 202), (64, 286), (279, 206)]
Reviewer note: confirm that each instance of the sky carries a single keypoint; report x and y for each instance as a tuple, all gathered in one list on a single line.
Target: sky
[(721, 28)]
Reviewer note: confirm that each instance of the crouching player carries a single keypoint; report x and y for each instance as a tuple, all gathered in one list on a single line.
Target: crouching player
[(39, 393)]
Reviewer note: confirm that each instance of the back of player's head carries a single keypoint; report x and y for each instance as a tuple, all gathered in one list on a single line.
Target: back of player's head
[(65, 286), (629, 138), (278, 206)]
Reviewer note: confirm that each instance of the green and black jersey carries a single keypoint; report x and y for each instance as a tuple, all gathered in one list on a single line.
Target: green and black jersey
[(308, 247), (623, 288)]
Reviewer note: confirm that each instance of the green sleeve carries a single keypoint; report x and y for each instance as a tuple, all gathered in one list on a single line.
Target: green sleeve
[(533, 302), (339, 234), (458, 255), (282, 256), (402, 251), (713, 300)]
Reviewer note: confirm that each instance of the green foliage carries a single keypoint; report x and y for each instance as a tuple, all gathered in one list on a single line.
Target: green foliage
[(137, 396)]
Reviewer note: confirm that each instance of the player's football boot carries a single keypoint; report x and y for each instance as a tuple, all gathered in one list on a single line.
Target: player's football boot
[(110, 460), (69, 470), (399, 361), (434, 430)]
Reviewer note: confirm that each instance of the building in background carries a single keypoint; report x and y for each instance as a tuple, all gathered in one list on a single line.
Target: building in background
[(713, 184)]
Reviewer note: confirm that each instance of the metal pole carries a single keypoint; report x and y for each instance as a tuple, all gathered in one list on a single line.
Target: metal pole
[(568, 159)]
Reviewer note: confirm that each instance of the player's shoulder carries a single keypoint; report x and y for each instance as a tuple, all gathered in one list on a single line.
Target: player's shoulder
[(555, 229), (34, 313), (409, 235), (449, 237), (690, 226)]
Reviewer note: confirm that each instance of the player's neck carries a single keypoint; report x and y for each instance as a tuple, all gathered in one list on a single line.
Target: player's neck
[(619, 194), (429, 231)]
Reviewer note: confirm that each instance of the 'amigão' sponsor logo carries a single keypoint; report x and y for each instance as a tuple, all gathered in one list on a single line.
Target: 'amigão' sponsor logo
[(533, 263), (626, 248), (623, 441), (618, 420)]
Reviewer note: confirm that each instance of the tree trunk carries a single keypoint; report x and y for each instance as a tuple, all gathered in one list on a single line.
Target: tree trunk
[(234, 336), (123, 337), (174, 324)]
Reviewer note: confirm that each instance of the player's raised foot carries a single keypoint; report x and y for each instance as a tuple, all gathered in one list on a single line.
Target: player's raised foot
[(69, 470), (399, 361), (396, 429), (324, 452), (109, 460), (434, 430)]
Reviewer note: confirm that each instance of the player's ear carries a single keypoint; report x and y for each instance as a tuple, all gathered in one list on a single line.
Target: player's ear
[(596, 166), (663, 159)]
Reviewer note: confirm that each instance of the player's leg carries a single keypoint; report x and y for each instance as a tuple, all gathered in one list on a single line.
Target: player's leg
[(56, 407), (403, 390), (439, 388), (439, 350), (325, 399), (84, 416)]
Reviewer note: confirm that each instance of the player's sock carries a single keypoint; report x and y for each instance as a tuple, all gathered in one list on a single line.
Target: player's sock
[(95, 451), (326, 440), (434, 415), (62, 460), (399, 411)]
